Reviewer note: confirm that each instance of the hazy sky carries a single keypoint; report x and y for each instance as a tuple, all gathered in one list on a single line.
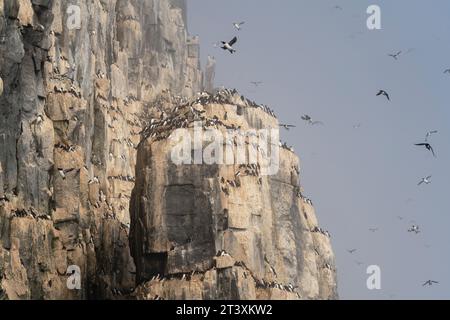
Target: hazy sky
[(318, 60)]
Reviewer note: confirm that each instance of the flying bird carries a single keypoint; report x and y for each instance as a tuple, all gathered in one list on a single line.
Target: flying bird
[(395, 56), (256, 83), (287, 126), (310, 120), (351, 251), (238, 25), (430, 283), (384, 93), (229, 45), (425, 180), (373, 229), (428, 146), (414, 228), (429, 134), (306, 117)]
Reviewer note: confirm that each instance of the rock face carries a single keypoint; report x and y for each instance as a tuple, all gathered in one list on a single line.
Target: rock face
[(265, 231), (70, 114), (77, 87)]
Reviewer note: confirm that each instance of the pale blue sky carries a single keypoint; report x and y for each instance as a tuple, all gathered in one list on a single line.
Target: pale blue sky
[(321, 61)]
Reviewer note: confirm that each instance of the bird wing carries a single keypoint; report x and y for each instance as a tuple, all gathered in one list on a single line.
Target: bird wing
[(387, 96), (233, 41), (317, 122), (420, 183), (241, 23), (420, 144), (429, 177), (432, 151), (380, 93)]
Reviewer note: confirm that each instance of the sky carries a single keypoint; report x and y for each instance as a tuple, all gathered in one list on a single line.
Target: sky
[(361, 168)]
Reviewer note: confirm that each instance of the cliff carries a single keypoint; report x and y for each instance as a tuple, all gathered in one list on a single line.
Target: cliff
[(75, 170)]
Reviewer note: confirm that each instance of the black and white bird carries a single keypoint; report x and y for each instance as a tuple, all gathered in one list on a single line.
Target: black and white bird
[(229, 45), (430, 283), (428, 146), (238, 25), (310, 121), (383, 93), (425, 180), (429, 133), (414, 228), (287, 126), (395, 56)]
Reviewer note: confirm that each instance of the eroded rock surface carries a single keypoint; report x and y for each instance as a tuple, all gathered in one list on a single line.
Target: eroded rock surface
[(264, 229), (70, 117), (73, 104)]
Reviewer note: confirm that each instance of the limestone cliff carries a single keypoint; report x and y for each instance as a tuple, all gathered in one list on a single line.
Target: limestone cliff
[(74, 100), (224, 231)]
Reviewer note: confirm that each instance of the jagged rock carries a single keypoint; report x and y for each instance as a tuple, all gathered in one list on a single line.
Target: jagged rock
[(73, 105), (181, 216), (73, 98)]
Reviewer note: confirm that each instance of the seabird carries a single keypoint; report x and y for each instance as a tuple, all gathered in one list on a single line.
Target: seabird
[(39, 119), (229, 45), (238, 25), (395, 56), (351, 251), (256, 83), (425, 180), (287, 126), (414, 228), (40, 27), (384, 93), (429, 133), (430, 283), (428, 146), (373, 229), (308, 119)]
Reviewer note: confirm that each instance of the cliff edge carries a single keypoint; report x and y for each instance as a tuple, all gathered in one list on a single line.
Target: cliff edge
[(90, 204)]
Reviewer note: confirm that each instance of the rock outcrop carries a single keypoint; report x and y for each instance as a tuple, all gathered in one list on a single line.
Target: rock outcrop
[(83, 182), (224, 231), (70, 116)]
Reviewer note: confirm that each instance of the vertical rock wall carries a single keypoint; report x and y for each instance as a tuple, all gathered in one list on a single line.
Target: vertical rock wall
[(70, 115), (265, 231), (73, 102)]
